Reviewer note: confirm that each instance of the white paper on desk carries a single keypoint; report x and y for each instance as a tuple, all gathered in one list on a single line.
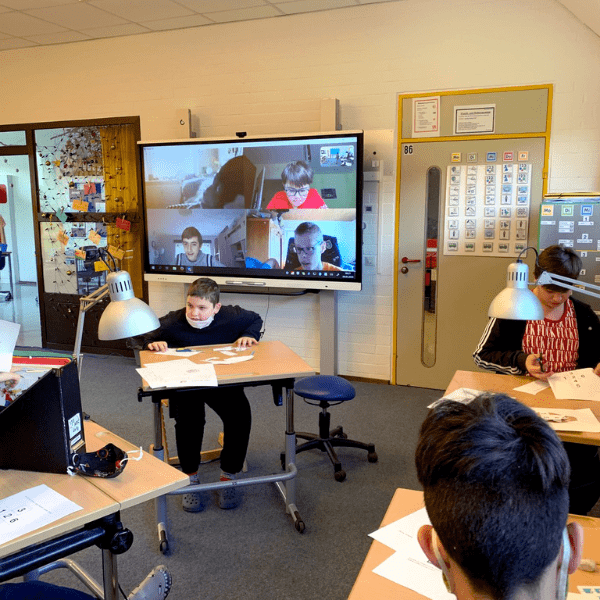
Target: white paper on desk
[(229, 361), (581, 384), (179, 353), (179, 373), (403, 532), (582, 419), (534, 387), (416, 573), (9, 332), (464, 395), (31, 509), (230, 350)]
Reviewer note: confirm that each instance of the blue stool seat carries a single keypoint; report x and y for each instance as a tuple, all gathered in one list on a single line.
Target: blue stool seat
[(325, 387), (326, 391)]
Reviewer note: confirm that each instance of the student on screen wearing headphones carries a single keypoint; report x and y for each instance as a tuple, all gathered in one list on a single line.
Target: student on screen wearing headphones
[(309, 246), (496, 483)]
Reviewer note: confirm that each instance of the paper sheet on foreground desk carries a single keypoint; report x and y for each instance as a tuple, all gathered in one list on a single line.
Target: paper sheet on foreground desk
[(581, 384), (178, 373), (464, 395), (564, 419), (31, 509), (408, 566)]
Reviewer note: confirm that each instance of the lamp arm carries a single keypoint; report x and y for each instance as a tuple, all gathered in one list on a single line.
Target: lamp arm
[(85, 303), (572, 284)]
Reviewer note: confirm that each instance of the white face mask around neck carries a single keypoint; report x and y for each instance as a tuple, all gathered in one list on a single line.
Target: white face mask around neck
[(200, 324)]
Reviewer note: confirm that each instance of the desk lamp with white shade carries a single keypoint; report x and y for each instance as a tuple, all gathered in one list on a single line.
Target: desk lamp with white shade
[(517, 302), (125, 315)]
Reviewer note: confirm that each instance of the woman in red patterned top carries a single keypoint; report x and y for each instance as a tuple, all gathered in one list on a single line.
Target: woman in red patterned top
[(297, 193), (568, 338)]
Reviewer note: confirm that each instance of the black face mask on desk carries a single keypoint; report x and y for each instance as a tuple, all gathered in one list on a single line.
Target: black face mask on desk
[(106, 462)]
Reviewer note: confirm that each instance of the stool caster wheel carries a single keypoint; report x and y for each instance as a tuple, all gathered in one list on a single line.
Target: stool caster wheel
[(300, 527), (164, 547), (372, 457), (340, 475)]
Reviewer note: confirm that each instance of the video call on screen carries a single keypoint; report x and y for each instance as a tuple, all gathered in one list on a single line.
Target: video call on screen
[(285, 206)]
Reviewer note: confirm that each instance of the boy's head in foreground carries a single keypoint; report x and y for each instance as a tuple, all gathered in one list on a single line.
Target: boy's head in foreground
[(495, 478)]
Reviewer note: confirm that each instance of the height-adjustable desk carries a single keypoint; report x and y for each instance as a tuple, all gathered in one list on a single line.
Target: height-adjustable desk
[(273, 364), (99, 520)]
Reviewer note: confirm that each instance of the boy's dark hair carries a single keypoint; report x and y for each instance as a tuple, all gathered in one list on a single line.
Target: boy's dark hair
[(560, 260), (495, 478), (190, 232), (205, 288), (297, 173)]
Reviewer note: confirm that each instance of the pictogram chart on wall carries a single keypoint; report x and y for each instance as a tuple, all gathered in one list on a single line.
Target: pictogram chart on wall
[(487, 209)]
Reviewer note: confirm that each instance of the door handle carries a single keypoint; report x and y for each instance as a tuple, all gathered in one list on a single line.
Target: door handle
[(408, 260)]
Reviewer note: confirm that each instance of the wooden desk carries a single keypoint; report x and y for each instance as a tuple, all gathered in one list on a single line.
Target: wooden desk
[(99, 498), (368, 585), (141, 480), (492, 382), (273, 364)]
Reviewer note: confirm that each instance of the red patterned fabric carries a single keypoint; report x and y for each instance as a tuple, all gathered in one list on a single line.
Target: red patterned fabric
[(558, 341)]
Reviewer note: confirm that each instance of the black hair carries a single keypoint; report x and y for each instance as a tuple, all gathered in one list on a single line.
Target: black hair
[(560, 260), (495, 478), (235, 178), (205, 288)]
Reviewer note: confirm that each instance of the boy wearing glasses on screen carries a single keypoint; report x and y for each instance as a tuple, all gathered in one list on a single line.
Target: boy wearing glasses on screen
[(297, 193), (309, 245)]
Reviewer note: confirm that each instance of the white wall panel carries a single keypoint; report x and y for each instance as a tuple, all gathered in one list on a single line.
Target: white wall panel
[(248, 76)]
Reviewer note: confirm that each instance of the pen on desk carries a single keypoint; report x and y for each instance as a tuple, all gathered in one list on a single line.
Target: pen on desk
[(183, 350)]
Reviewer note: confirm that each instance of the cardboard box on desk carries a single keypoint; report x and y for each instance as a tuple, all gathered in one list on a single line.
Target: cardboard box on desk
[(43, 427)]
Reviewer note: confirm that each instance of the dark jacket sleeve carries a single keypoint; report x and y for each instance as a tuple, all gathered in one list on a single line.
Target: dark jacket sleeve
[(162, 334), (251, 323), (588, 329), (500, 347)]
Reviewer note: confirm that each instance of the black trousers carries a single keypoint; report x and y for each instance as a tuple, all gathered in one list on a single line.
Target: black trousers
[(188, 410), (584, 488)]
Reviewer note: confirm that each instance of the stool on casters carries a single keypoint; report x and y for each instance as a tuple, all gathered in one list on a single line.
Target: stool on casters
[(325, 391)]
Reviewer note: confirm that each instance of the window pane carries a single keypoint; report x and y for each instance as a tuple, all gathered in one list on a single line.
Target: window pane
[(12, 138)]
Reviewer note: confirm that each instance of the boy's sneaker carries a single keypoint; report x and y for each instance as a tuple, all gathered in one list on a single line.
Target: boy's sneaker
[(156, 586), (194, 501), (228, 497)]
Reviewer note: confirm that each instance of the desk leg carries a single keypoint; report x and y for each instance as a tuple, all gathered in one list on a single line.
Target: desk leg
[(109, 575), (288, 488), (160, 502)]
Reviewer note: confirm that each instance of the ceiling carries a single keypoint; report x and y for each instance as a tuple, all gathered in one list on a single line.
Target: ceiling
[(29, 23)]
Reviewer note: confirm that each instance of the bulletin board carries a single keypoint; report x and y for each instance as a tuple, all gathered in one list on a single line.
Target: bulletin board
[(575, 223), (487, 206)]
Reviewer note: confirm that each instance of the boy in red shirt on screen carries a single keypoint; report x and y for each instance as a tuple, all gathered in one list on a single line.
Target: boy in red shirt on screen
[(297, 193)]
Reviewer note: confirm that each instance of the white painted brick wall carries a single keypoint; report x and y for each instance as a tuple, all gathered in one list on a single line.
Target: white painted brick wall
[(256, 77)]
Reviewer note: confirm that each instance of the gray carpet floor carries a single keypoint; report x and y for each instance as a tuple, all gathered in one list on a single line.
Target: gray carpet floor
[(254, 550)]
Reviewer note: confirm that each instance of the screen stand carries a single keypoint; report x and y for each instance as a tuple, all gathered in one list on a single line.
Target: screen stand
[(328, 329)]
